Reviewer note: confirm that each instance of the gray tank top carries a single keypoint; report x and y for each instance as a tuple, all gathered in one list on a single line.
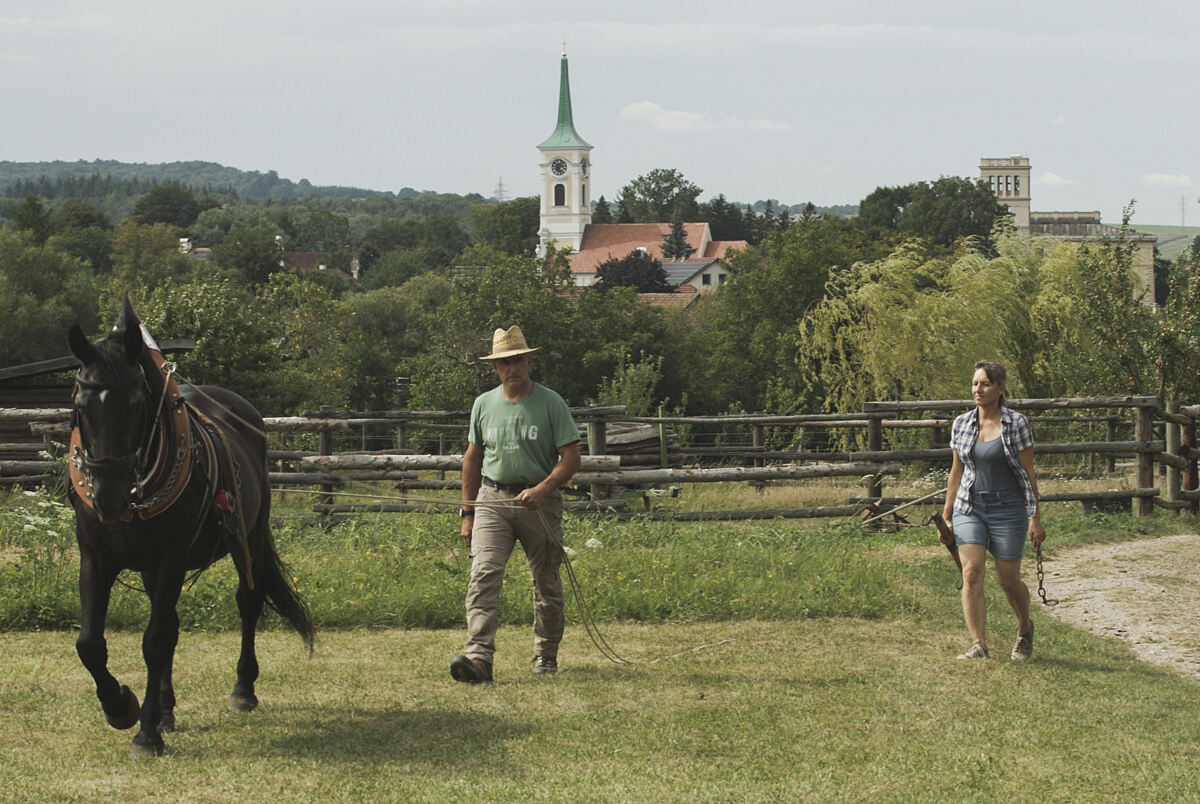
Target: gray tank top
[(992, 472)]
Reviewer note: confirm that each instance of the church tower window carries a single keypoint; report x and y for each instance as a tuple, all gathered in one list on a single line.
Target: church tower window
[(560, 195)]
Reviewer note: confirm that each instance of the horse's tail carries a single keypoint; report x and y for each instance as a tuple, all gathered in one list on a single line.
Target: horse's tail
[(283, 597)]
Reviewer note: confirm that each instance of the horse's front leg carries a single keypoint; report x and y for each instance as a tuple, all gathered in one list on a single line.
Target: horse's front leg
[(158, 649), (96, 578)]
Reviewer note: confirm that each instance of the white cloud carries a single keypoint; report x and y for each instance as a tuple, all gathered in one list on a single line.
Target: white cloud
[(1167, 180), (661, 119), (1061, 120), (1054, 180)]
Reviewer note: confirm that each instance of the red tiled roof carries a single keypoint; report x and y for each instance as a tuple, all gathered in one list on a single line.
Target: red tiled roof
[(716, 249), (307, 261), (605, 241), (673, 300), (683, 296)]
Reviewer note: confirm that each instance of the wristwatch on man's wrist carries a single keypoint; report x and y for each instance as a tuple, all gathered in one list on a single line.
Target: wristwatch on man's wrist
[(463, 513)]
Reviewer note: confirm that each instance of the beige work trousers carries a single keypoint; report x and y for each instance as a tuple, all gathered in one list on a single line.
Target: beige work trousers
[(493, 536)]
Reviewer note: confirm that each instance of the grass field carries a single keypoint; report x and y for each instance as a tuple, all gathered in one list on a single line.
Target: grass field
[(802, 710), (784, 660)]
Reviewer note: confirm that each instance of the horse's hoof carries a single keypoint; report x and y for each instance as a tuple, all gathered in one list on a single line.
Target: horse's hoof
[(146, 749), (132, 711), (167, 721), (243, 703)]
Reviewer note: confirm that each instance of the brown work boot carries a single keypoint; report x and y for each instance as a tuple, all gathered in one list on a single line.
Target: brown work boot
[(976, 651), (470, 671), (1024, 647), (545, 664)]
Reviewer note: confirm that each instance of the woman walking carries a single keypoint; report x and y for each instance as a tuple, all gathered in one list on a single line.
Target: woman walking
[(992, 503)]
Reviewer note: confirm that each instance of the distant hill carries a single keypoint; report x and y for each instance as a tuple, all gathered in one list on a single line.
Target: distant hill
[(1172, 240), (195, 175)]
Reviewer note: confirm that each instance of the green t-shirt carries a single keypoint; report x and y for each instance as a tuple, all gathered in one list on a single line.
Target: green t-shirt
[(520, 440)]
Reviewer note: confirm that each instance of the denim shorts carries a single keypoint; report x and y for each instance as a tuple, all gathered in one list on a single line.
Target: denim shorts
[(998, 520)]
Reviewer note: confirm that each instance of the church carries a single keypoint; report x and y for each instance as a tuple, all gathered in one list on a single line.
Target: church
[(565, 170)]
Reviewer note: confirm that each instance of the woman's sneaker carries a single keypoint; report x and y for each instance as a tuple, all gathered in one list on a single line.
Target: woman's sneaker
[(1024, 647), (545, 664), (976, 651)]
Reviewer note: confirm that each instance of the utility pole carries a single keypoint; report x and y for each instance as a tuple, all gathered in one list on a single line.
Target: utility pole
[(499, 194)]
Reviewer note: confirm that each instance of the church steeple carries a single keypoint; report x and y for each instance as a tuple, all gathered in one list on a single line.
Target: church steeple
[(565, 135), (565, 168)]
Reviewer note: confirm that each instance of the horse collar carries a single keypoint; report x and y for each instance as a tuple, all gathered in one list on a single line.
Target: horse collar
[(167, 471)]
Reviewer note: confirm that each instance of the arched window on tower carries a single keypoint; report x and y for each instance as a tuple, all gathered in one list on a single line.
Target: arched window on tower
[(583, 195), (560, 195)]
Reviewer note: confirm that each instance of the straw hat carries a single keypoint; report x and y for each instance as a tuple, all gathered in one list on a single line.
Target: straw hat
[(508, 343)]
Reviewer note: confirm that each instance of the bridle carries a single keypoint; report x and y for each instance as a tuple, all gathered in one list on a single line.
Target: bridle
[(134, 462)]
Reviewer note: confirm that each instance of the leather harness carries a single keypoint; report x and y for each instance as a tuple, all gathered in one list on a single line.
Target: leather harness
[(168, 470)]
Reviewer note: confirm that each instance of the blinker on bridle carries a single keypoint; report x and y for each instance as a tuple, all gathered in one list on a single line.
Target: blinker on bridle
[(90, 464)]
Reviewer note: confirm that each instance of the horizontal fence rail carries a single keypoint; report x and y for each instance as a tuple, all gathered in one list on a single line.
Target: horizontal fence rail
[(328, 451)]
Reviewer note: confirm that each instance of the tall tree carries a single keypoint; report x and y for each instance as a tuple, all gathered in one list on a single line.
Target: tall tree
[(636, 270), (602, 212), (725, 220), (42, 292), (748, 338), (1177, 329), (655, 196), (252, 253), (510, 226), (31, 215), (949, 209), (74, 213), (146, 255), (941, 212), (883, 206), (624, 208), (675, 243), (172, 204), (323, 230)]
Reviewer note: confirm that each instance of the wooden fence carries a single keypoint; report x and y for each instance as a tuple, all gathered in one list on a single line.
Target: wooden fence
[(328, 451)]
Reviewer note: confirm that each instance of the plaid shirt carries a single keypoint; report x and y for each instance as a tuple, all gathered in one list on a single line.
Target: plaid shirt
[(1015, 434)]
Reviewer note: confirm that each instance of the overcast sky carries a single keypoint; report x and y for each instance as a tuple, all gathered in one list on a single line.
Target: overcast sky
[(787, 99)]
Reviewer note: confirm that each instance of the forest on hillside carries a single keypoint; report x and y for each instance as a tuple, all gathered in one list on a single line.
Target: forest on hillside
[(821, 312)]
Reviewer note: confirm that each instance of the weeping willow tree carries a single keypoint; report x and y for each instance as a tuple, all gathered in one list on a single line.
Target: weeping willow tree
[(912, 327)]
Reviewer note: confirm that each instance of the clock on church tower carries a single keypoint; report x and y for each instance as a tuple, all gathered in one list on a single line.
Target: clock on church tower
[(565, 168)]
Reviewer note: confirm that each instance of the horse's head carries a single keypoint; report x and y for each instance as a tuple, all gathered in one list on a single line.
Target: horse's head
[(111, 412)]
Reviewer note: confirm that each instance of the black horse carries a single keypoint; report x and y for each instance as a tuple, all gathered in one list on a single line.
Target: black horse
[(165, 482)]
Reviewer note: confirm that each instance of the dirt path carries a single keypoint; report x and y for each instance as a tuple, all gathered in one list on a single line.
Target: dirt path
[(1146, 592)]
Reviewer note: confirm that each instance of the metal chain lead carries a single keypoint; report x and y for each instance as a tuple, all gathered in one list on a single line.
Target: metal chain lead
[(1041, 575)]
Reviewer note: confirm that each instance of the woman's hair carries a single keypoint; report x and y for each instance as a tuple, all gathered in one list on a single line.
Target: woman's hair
[(996, 373)]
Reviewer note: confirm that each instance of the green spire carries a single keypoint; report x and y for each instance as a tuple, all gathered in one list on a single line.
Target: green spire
[(564, 135)]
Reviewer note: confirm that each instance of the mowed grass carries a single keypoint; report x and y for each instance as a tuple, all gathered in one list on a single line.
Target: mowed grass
[(836, 709), (779, 660)]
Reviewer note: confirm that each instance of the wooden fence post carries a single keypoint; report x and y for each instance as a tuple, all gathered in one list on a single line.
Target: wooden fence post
[(758, 441), (598, 445), (875, 444), (326, 448), (1110, 435), (1191, 481), (1173, 439), (1143, 433), (662, 440)]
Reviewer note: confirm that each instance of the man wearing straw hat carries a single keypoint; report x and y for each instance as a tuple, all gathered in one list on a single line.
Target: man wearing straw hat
[(522, 447)]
